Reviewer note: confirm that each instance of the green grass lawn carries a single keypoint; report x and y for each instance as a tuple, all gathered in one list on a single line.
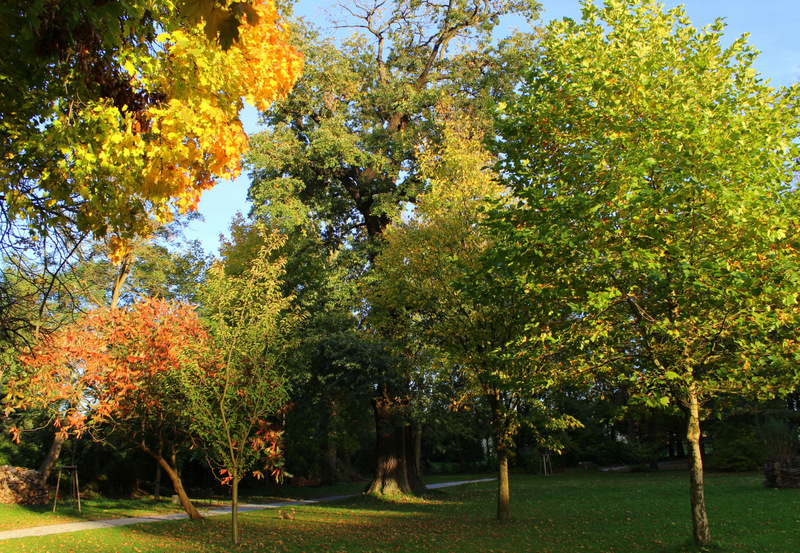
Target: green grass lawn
[(598, 512), (19, 516)]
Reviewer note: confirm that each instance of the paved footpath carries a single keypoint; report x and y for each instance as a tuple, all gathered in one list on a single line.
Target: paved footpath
[(243, 508)]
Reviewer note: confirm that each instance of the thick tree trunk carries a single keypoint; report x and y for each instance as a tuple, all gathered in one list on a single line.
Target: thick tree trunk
[(52, 457), (503, 487), (329, 472), (396, 471), (702, 534)]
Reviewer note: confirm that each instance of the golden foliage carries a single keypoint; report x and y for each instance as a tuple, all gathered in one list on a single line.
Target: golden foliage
[(123, 166)]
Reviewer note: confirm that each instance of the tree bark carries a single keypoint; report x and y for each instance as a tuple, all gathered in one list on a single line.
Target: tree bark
[(501, 440), (329, 456), (329, 472), (418, 451), (52, 456), (503, 487), (157, 484), (177, 485), (171, 468), (235, 510), (125, 268), (702, 534), (396, 471), (462, 460)]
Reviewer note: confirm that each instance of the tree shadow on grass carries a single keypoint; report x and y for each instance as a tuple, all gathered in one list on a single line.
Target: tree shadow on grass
[(608, 514)]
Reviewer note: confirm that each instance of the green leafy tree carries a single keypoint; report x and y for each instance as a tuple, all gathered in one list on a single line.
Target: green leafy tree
[(331, 380), (164, 264), (253, 325), (342, 149), (336, 381), (419, 299), (342, 146), (651, 171)]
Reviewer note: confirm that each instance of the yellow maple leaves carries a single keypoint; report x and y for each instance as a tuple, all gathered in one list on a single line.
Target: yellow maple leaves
[(196, 137), (164, 127)]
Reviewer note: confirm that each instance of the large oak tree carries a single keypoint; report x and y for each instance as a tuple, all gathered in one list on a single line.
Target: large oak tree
[(342, 148)]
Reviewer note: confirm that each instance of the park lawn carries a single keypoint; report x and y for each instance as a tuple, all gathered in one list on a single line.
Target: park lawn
[(599, 512), (20, 516)]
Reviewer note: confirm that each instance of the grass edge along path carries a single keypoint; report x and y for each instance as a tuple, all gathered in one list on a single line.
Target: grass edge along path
[(69, 527)]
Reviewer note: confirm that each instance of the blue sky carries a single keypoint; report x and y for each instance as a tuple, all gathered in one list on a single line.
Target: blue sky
[(774, 27)]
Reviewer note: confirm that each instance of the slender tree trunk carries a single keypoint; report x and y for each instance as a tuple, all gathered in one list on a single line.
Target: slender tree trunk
[(177, 485), (396, 471), (157, 484), (501, 439), (418, 452), (52, 456), (503, 487), (329, 456), (462, 460), (125, 268), (235, 510), (171, 468), (702, 534)]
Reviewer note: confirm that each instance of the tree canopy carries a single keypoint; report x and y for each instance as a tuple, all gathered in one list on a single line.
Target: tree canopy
[(651, 172), (114, 113), (117, 372), (342, 148)]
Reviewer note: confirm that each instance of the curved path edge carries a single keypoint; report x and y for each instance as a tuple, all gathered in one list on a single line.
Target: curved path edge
[(243, 508)]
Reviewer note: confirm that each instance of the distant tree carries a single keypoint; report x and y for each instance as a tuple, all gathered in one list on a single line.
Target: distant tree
[(651, 173), (419, 299), (119, 372), (164, 265)]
